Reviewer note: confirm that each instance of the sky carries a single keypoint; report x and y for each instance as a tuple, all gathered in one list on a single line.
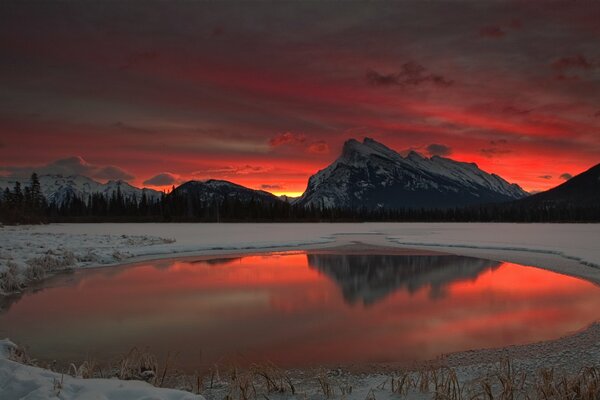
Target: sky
[(264, 94)]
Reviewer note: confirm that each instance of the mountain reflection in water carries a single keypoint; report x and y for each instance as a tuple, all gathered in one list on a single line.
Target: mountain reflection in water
[(298, 309), (370, 278)]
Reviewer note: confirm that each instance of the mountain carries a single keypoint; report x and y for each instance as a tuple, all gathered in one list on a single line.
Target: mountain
[(207, 191), (58, 188), (370, 278), (371, 175), (581, 191), (288, 199)]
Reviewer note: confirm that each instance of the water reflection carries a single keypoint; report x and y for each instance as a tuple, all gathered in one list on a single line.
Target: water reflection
[(370, 278), (299, 309)]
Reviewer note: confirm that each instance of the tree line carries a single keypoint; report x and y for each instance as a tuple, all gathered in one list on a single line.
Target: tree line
[(27, 205)]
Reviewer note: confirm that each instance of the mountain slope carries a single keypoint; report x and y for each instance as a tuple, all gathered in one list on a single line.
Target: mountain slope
[(58, 188), (371, 175), (213, 189), (581, 191)]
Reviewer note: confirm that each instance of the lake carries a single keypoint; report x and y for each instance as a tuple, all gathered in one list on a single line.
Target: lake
[(299, 309)]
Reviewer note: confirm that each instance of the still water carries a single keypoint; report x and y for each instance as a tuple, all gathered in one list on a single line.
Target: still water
[(299, 309)]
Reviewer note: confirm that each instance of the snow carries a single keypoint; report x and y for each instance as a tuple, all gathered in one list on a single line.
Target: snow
[(57, 188), (415, 172), (566, 356), (20, 381), (566, 248)]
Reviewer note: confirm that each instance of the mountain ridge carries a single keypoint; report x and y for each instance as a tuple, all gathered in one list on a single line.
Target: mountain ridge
[(373, 175), (58, 188), (582, 190)]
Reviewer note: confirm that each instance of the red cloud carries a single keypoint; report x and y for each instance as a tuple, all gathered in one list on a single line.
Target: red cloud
[(235, 170), (577, 61), (319, 147), (287, 138)]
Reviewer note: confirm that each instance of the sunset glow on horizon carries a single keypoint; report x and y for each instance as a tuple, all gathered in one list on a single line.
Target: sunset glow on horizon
[(265, 94)]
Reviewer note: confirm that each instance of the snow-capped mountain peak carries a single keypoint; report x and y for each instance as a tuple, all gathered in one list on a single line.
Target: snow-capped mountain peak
[(371, 174), (57, 188)]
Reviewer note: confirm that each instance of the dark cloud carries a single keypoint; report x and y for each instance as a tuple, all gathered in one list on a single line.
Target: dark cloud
[(217, 31), (138, 59), (287, 138), (566, 65), (234, 170), (72, 166), (515, 24), (492, 32), (501, 108), (494, 152), (566, 176), (271, 187), (377, 79), (436, 149), (577, 61), (596, 114), (563, 77), (545, 176), (162, 179), (516, 110), (300, 140), (498, 142), (411, 73)]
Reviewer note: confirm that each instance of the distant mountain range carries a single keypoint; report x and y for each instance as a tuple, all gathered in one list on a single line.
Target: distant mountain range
[(57, 189), (367, 175)]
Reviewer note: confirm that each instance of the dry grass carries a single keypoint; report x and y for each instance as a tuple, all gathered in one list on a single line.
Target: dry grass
[(267, 382), (138, 365), (583, 386), (39, 267), (85, 370), (10, 281), (20, 355), (325, 385), (503, 383)]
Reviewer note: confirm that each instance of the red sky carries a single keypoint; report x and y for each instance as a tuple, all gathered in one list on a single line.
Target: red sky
[(264, 94)]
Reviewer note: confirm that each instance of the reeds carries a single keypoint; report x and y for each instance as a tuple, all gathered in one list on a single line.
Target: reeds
[(10, 281), (502, 381), (138, 365)]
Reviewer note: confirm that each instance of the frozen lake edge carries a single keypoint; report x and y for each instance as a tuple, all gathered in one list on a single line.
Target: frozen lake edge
[(565, 248)]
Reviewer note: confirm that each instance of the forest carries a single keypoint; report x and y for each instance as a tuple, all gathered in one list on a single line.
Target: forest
[(25, 204)]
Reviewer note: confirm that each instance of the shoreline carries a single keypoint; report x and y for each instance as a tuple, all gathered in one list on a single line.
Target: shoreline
[(564, 249), (370, 243), (568, 356)]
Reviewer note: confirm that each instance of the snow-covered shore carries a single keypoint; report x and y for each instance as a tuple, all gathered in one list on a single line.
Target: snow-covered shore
[(513, 372), (20, 381), (28, 253), (31, 250)]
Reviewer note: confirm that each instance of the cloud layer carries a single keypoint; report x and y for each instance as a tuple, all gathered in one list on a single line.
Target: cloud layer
[(206, 88), (70, 166)]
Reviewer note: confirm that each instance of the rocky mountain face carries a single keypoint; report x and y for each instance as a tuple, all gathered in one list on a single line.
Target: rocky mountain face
[(371, 175), (58, 188)]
